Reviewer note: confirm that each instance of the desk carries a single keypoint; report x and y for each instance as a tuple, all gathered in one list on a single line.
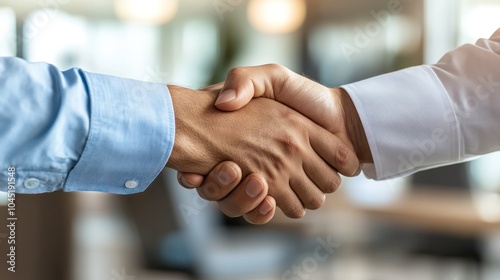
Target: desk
[(445, 211)]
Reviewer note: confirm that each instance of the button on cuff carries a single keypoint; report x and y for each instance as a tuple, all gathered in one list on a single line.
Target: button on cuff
[(131, 184), (31, 183)]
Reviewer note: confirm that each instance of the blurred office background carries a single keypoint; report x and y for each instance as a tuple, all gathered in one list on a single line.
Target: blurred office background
[(442, 224)]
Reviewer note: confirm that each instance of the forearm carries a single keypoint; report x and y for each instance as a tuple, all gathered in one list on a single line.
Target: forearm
[(470, 76)]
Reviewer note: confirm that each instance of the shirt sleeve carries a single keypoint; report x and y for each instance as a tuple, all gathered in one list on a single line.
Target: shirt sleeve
[(432, 115), (78, 131)]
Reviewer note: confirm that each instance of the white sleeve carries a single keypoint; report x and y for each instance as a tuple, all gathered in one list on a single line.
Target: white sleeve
[(432, 115)]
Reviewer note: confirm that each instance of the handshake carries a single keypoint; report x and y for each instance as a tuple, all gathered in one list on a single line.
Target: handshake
[(273, 138)]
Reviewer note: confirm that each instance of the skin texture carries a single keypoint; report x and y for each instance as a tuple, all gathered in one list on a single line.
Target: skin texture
[(265, 137), (257, 210), (330, 108)]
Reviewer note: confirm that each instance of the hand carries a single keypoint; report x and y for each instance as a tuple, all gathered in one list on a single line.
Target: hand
[(265, 137), (226, 176), (330, 108)]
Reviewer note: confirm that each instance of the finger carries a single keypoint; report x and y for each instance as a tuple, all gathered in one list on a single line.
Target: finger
[(237, 91), (246, 197), (190, 180), (359, 170), (214, 87), (220, 181), (321, 174), (309, 194), (334, 151), (277, 82), (263, 213), (288, 201), (244, 83)]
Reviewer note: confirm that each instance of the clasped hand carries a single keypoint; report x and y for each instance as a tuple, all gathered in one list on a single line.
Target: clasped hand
[(288, 147)]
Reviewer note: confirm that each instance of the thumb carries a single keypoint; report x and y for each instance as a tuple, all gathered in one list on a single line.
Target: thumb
[(241, 85)]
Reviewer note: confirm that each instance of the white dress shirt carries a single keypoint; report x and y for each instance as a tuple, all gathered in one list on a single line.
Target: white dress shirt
[(432, 115)]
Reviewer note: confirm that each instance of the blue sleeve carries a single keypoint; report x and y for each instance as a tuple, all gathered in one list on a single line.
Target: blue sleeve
[(77, 131)]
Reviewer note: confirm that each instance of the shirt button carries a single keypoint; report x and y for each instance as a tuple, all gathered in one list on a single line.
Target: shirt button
[(131, 184), (31, 183)]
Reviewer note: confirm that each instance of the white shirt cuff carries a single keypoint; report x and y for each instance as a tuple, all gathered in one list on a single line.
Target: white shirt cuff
[(405, 134)]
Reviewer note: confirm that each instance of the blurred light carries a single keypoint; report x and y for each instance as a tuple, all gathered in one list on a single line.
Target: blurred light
[(148, 11), (480, 21), (370, 193), (485, 179), (7, 32), (403, 34), (276, 16), (57, 41), (487, 206)]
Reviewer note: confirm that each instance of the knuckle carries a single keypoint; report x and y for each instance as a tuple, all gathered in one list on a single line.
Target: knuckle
[(336, 183), (230, 214), (293, 118), (333, 184), (276, 67), (252, 219), (201, 193), (316, 202), (180, 179), (277, 164), (231, 209), (233, 206), (233, 212), (342, 155), (210, 191), (354, 170), (290, 143), (236, 72), (295, 212)]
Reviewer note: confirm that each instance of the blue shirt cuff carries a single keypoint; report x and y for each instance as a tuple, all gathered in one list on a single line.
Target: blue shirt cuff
[(131, 136)]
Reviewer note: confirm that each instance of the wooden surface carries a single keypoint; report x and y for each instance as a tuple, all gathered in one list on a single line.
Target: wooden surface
[(43, 237), (445, 211)]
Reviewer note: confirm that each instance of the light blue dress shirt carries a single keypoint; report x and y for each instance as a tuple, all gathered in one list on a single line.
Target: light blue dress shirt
[(78, 131)]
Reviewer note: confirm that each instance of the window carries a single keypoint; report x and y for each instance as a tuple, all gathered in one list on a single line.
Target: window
[(7, 48), (7, 32)]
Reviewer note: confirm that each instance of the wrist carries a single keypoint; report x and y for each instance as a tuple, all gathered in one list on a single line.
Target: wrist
[(354, 126), (188, 153), (175, 160)]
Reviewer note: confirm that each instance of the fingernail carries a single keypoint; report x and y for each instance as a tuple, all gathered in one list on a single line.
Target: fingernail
[(186, 183), (265, 208), (226, 175), (254, 187), (226, 96)]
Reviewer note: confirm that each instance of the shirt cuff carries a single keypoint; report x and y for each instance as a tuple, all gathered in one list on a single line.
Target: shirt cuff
[(132, 130), (409, 122)]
